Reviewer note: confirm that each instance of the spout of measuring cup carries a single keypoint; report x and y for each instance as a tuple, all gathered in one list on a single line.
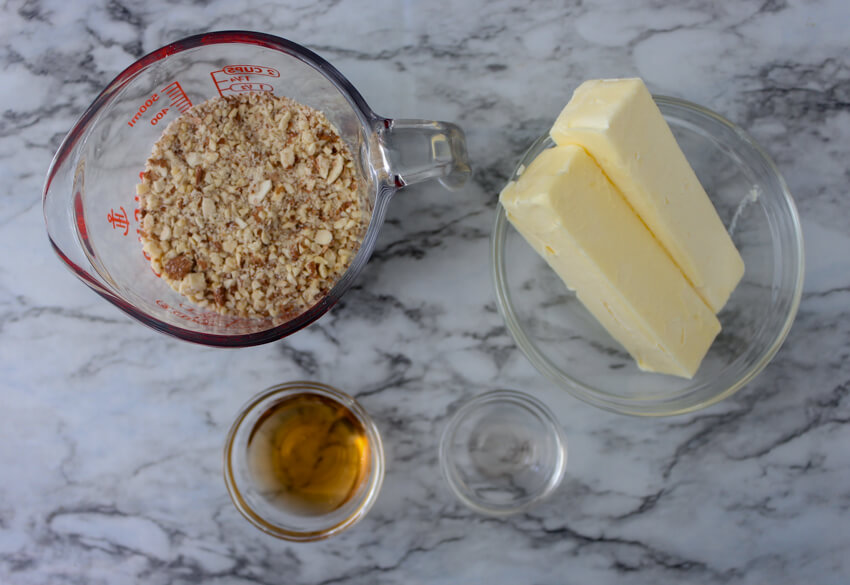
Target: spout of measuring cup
[(64, 216), (419, 150)]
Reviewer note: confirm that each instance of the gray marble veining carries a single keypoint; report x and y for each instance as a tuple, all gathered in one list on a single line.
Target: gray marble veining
[(111, 434)]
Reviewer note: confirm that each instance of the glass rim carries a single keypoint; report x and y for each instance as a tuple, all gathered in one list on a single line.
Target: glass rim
[(515, 399), (621, 404), (258, 404)]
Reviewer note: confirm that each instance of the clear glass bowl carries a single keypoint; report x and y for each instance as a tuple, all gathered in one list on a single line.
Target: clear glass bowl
[(502, 452), (566, 344)]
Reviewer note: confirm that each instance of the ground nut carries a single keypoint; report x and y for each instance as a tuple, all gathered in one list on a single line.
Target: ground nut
[(194, 159), (287, 157), (323, 237), (251, 206), (208, 208), (336, 170), (192, 283), (262, 189)]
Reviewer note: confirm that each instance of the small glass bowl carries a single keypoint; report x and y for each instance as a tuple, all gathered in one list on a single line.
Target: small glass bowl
[(566, 344), (249, 497), (503, 451)]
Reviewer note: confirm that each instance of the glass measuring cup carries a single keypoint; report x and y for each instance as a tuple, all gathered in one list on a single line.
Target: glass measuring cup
[(89, 195)]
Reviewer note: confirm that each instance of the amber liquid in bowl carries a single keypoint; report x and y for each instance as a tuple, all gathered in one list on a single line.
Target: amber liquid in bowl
[(308, 455)]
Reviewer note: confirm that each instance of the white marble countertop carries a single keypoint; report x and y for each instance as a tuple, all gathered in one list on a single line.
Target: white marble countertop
[(111, 434)]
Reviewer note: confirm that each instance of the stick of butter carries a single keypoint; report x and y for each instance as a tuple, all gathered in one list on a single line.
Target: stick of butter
[(571, 214), (617, 122)]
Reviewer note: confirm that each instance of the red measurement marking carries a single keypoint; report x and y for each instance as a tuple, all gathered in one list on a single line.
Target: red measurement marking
[(142, 109), (250, 70), (178, 97), (248, 87), (235, 79), (154, 108), (119, 221), (194, 316), (159, 116)]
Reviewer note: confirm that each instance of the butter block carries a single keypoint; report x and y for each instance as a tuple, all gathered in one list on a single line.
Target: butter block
[(571, 214), (618, 123)]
